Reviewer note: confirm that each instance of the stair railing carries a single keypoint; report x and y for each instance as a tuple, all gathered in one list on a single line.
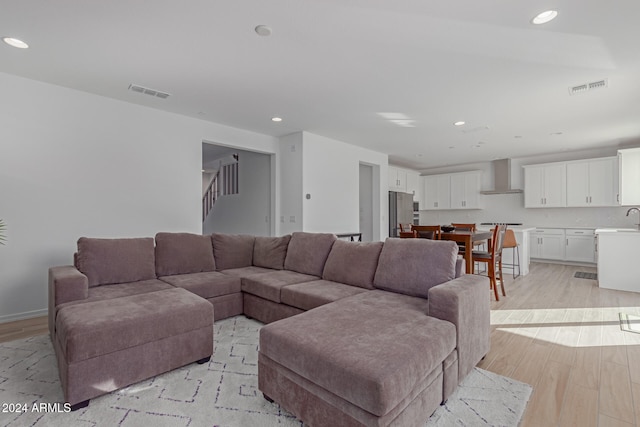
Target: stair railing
[(210, 196)]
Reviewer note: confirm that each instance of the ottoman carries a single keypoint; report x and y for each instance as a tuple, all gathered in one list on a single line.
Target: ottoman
[(105, 345), (374, 359)]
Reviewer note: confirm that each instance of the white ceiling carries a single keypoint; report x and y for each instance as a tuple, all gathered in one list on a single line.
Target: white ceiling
[(331, 66)]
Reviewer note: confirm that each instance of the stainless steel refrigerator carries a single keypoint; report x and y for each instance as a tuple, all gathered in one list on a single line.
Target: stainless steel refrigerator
[(400, 211)]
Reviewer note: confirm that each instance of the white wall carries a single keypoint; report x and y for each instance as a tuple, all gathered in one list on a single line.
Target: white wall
[(331, 178), (249, 211), (74, 164)]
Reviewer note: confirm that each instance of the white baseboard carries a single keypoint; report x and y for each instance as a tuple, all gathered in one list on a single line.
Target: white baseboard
[(22, 316)]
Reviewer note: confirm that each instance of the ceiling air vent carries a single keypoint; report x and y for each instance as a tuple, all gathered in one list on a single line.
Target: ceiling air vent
[(147, 91), (588, 86)]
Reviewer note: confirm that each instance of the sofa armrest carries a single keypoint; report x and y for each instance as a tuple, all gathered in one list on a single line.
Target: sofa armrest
[(465, 303), (66, 284)]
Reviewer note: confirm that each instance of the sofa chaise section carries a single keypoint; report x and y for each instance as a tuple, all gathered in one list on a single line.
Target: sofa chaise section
[(373, 359), (113, 323), (102, 346), (348, 362)]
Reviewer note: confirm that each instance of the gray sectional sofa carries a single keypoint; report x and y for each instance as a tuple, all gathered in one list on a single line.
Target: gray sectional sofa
[(358, 334)]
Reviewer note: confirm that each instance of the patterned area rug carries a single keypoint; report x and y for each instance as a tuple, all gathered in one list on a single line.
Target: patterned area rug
[(221, 393)]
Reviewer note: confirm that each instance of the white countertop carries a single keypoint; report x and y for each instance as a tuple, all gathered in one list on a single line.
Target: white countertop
[(617, 230), (516, 228)]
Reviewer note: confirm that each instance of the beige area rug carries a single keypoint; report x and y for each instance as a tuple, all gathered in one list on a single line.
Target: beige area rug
[(223, 392)]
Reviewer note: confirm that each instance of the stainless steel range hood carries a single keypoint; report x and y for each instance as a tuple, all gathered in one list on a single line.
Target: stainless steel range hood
[(502, 178)]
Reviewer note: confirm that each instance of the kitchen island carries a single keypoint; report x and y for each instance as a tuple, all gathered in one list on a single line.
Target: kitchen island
[(618, 259)]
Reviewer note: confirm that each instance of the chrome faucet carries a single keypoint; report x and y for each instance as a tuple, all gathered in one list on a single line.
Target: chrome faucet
[(634, 210)]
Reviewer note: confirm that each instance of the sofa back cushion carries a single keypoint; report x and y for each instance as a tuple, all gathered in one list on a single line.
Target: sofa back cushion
[(352, 263), (232, 250), (270, 252), (413, 266), (108, 261), (183, 253), (307, 252)]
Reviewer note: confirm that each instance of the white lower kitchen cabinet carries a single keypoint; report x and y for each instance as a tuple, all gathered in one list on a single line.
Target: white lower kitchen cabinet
[(580, 245), (548, 243)]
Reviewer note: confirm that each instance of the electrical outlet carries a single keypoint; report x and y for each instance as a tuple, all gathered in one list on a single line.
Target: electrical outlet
[(292, 218)]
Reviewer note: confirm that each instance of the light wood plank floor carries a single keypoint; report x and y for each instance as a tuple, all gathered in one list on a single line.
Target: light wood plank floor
[(562, 335), (556, 332)]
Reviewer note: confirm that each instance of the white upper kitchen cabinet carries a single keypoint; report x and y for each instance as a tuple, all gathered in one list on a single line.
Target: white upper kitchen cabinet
[(397, 179), (465, 190), (437, 192), (545, 186), (592, 182), (629, 169)]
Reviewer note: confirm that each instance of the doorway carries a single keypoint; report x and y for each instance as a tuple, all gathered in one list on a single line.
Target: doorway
[(246, 209)]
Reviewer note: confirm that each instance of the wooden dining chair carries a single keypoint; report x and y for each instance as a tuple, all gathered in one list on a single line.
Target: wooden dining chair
[(427, 231), (408, 234), (404, 227), (467, 227), (493, 257)]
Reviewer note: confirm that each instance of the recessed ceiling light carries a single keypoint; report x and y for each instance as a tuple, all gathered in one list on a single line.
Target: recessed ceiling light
[(263, 30), (459, 123), (544, 17), (15, 43), (276, 119)]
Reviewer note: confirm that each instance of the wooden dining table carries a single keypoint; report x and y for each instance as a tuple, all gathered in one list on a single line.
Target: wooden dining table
[(468, 238)]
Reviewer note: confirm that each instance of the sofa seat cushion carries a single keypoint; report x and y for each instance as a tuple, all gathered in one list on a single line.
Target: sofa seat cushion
[(413, 266), (389, 347), (353, 263), (182, 253), (108, 261), (207, 285), (246, 271), (269, 285), (310, 295), (96, 328), (119, 290)]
